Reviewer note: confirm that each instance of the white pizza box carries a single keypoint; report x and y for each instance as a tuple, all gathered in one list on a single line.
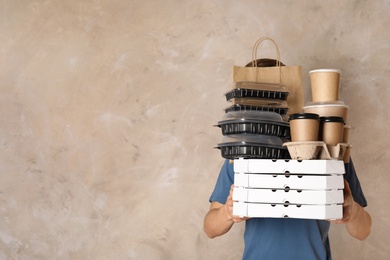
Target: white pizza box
[(259, 210), (289, 166), (290, 196), (291, 181)]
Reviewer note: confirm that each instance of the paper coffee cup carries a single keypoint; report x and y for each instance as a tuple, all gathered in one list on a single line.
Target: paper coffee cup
[(347, 154), (304, 127), (346, 133), (332, 130), (325, 84)]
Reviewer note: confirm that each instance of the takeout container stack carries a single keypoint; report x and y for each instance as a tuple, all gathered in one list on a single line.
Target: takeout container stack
[(321, 130), (266, 97), (254, 125)]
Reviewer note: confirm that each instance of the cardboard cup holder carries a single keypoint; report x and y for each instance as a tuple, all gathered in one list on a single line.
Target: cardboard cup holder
[(304, 150), (334, 152), (317, 150)]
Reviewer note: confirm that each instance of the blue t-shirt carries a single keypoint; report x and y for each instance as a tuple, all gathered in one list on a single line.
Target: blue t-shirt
[(285, 238)]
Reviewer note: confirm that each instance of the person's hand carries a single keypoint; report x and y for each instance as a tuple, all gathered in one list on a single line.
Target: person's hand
[(349, 206), (229, 207)]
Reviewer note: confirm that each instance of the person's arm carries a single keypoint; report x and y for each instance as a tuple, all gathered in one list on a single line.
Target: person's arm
[(220, 219), (357, 220)]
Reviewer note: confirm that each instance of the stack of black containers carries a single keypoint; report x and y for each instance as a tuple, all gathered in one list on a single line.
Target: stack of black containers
[(254, 125)]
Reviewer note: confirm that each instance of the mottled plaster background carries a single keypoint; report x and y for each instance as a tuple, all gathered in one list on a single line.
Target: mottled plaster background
[(107, 113)]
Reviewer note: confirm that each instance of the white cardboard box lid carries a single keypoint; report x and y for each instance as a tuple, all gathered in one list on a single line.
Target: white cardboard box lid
[(280, 211), (291, 196), (291, 166), (296, 182)]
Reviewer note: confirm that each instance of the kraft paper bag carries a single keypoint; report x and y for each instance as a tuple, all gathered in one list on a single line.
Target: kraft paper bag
[(290, 76)]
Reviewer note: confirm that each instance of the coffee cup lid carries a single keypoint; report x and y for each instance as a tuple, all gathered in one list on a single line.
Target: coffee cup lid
[(304, 116), (336, 119), (340, 104), (325, 70)]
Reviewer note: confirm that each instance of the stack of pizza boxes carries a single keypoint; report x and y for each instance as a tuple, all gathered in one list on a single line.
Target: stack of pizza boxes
[(285, 174), (308, 189)]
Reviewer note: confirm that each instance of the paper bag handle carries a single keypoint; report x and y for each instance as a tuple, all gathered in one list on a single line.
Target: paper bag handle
[(254, 52)]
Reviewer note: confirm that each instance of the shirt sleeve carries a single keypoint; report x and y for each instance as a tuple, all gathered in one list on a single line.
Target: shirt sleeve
[(224, 182), (354, 184)]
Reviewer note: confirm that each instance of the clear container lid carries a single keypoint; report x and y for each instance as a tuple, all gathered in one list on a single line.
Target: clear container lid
[(259, 102), (252, 139), (260, 86), (253, 114)]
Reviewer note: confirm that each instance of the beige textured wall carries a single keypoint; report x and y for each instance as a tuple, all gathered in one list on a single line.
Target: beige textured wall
[(107, 113)]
